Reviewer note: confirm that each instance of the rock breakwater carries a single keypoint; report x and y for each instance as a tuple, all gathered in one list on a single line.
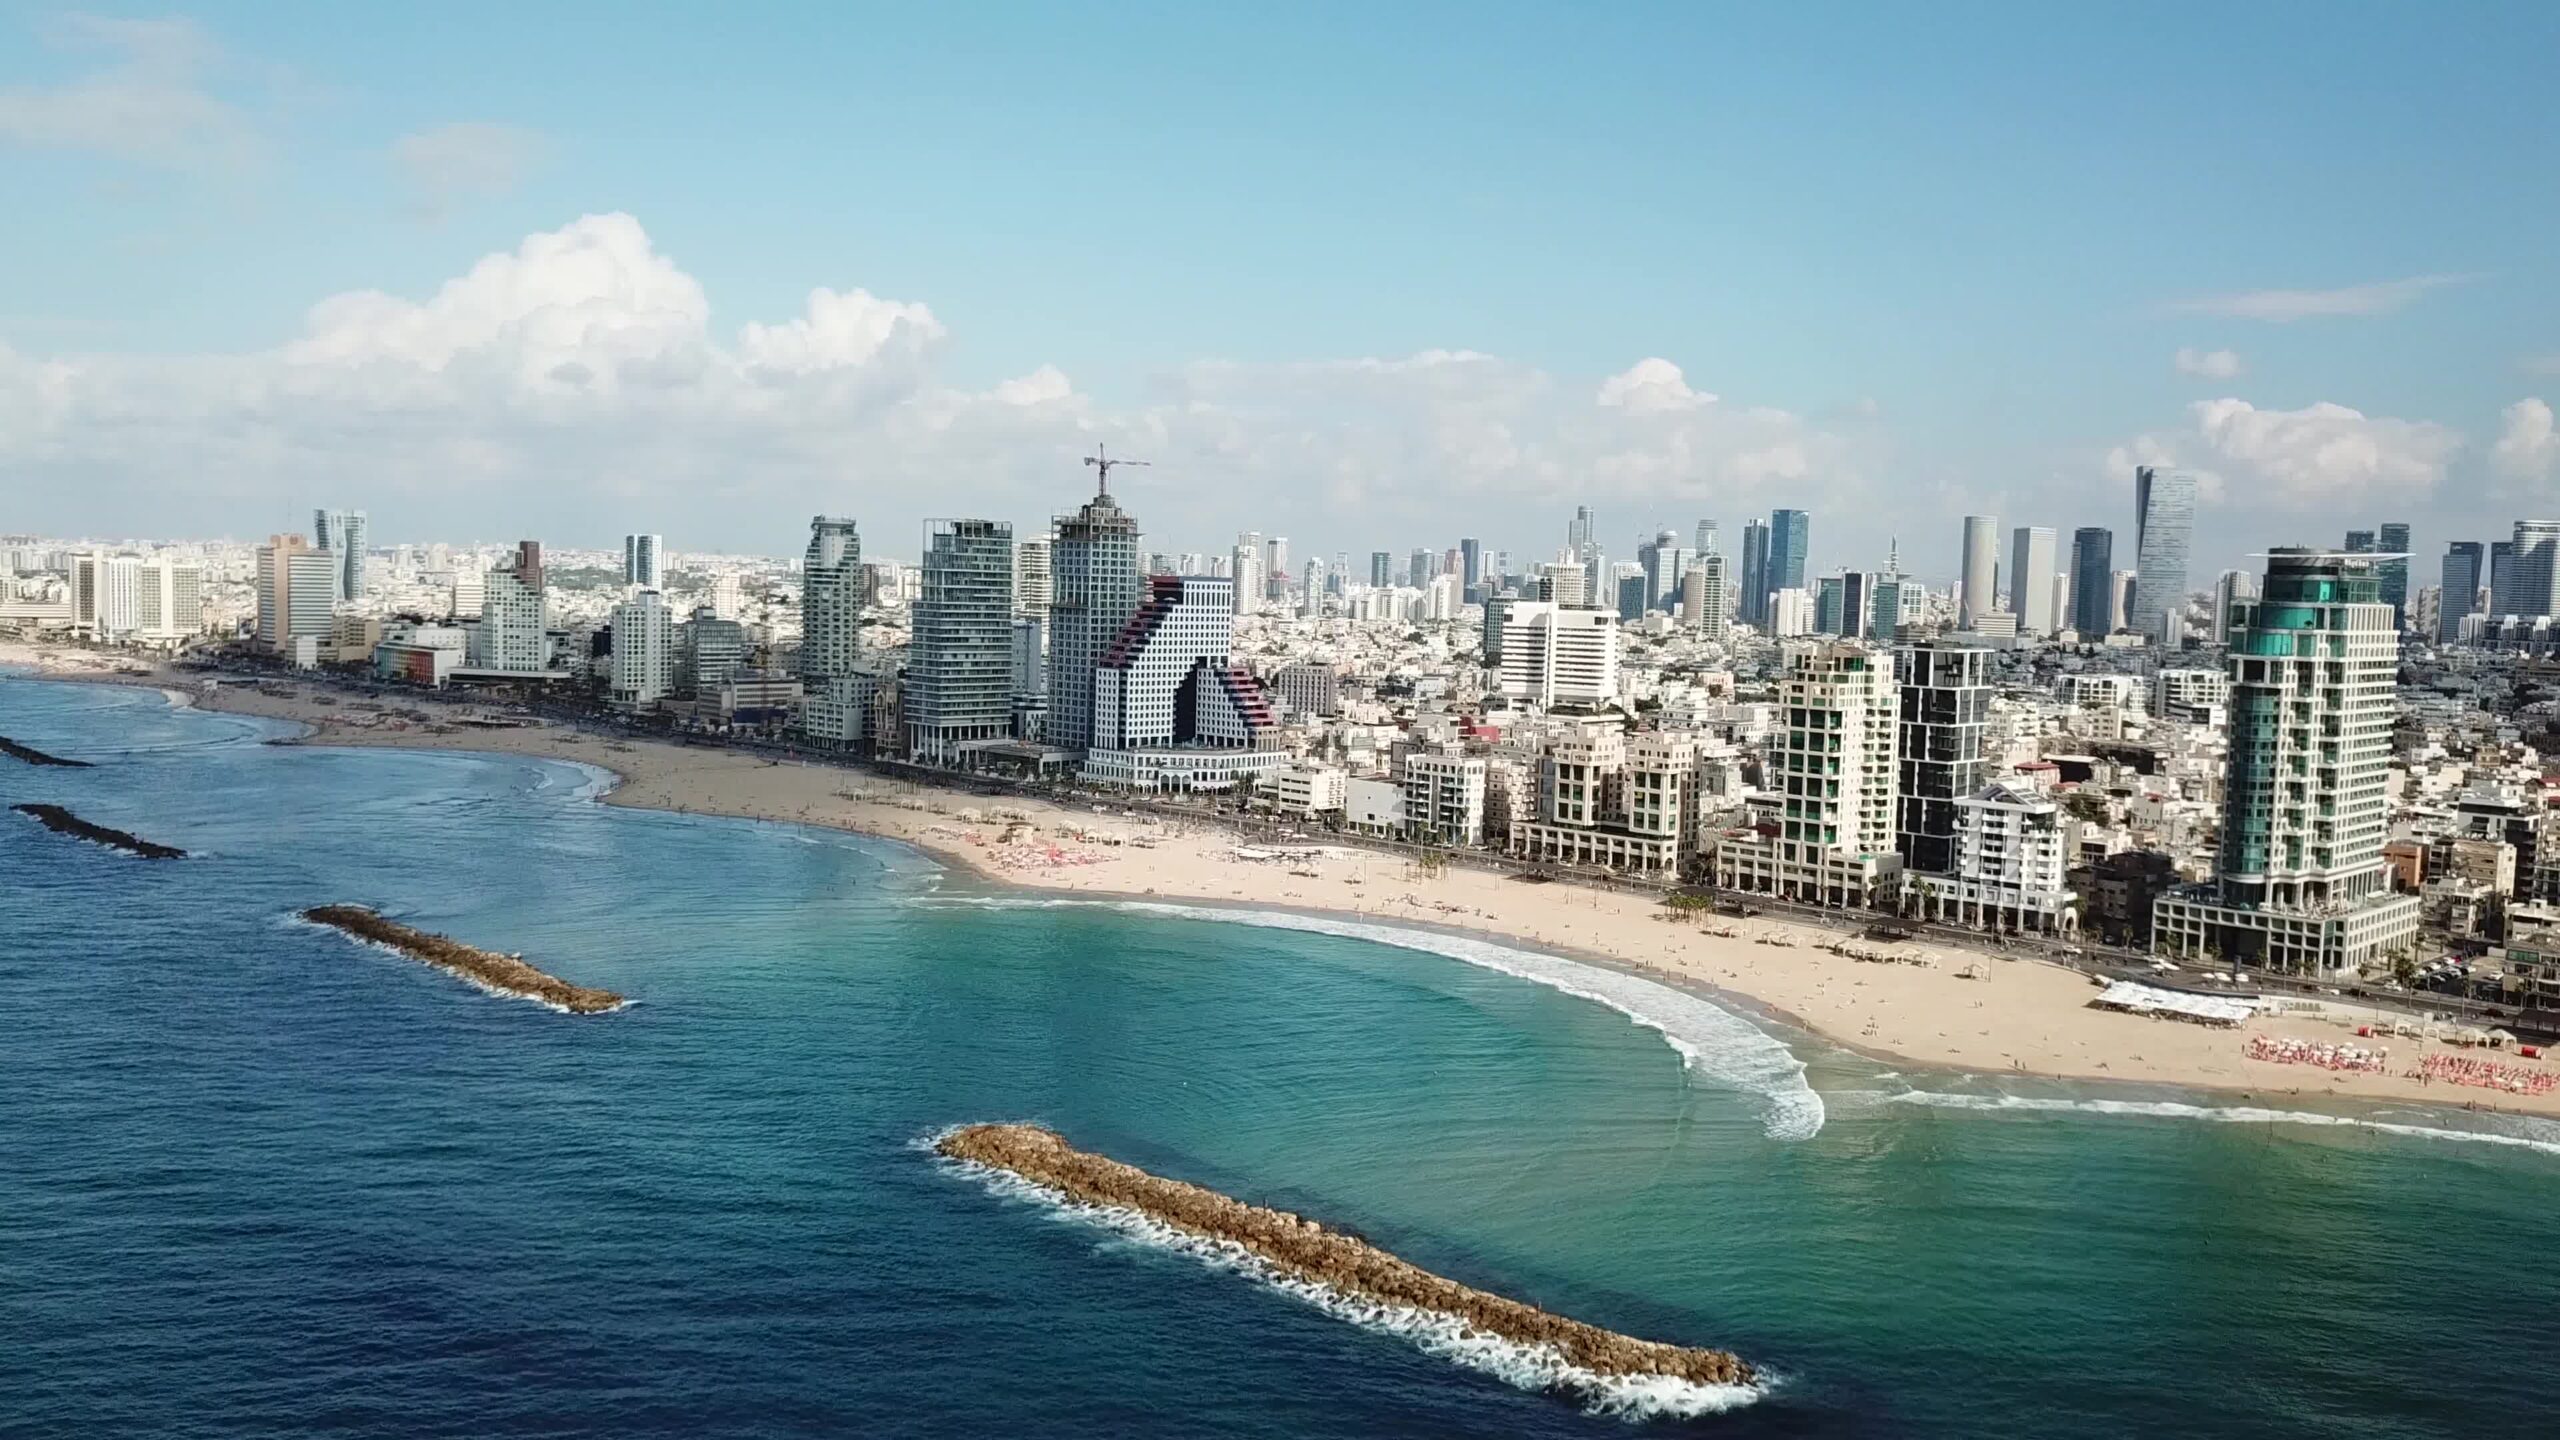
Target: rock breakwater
[(490, 969), (63, 822), (1307, 1251), (34, 756)]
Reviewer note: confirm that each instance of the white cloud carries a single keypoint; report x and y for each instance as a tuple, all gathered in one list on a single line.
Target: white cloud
[(2299, 460), (1651, 387), (2210, 364), (150, 104), (2376, 297), (2527, 451), (448, 165), (553, 383)]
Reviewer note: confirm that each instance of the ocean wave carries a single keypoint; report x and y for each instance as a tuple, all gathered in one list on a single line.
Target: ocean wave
[(2535, 1135), (1713, 1043), (1536, 1368)]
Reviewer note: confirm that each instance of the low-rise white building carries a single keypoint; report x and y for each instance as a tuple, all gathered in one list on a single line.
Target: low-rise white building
[(1444, 798), (2011, 855)]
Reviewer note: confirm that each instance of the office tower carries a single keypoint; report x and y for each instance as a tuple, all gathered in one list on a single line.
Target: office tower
[(1381, 569), (2093, 556), (1579, 536), (2164, 513), (2460, 597), (1171, 708), (644, 649), (1706, 600), (2359, 542), (831, 601), (1418, 568), (2303, 887), (297, 592), (1946, 705), (1663, 560), (1978, 569), (710, 648), (1244, 566), (1836, 767), (512, 633), (1831, 605), (959, 686), (2031, 578), (342, 532), (1311, 590), (1790, 537), (1630, 596), (1706, 538), (1031, 577), (1030, 669), (1555, 655), (1892, 600), (2230, 591), (2503, 596), (1094, 572), (2534, 569), (1755, 574), (2393, 570), (1471, 562), (2120, 601), (1275, 565), (1497, 613), (644, 562)]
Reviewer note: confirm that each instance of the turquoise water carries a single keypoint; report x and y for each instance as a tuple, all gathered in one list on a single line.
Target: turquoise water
[(256, 1180)]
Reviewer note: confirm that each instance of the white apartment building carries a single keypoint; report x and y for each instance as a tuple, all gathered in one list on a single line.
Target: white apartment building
[(1554, 654), (960, 660), (512, 633), (297, 593), (1790, 613), (1032, 590), (1308, 790), (1373, 806), (2193, 697), (169, 601), (1834, 775), (1611, 801), (831, 600), (1444, 798), (470, 592), (2011, 854), (644, 651)]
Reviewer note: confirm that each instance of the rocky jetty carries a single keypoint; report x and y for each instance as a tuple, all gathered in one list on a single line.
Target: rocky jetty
[(63, 822), (34, 756), (507, 974), (1303, 1249)]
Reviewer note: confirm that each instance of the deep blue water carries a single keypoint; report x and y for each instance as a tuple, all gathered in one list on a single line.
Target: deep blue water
[(256, 1180)]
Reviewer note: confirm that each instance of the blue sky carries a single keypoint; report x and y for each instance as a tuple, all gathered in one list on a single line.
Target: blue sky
[(1925, 261)]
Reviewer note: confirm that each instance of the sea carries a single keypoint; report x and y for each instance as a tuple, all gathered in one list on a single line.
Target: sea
[(258, 1180)]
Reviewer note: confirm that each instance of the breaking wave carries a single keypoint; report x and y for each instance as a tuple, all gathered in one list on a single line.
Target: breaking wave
[(1713, 1043), (2544, 1138), (1536, 1368)]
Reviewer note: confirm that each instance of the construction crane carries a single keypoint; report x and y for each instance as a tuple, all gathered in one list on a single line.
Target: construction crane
[(1101, 460)]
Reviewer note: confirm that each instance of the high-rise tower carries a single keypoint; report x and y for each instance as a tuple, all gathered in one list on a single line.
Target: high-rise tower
[(1979, 570), (2164, 515), (1093, 563), (2093, 558)]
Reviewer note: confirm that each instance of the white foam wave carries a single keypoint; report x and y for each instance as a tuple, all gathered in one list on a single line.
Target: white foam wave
[(1713, 1043), (2530, 1134), (1538, 1368)]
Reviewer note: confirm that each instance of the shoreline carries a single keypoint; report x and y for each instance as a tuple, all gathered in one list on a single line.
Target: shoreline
[(2023, 1019)]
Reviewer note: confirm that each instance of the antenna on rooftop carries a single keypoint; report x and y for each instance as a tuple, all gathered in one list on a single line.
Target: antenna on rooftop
[(1101, 460)]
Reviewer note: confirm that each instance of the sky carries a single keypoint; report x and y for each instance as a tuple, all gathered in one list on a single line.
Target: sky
[(1372, 277)]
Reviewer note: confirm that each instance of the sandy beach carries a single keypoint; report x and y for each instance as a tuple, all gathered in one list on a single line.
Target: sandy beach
[(1962, 1010)]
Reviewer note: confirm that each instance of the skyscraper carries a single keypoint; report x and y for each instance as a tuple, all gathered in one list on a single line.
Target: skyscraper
[(2093, 558), (1381, 569), (2460, 597), (1419, 568), (1790, 537), (2535, 573), (1171, 708), (2302, 885), (1979, 569), (2031, 579), (1031, 577), (1094, 572), (1946, 705), (513, 631), (2164, 514), (342, 532), (1471, 562), (644, 561), (2394, 573), (1704, 596), (1755, 574), (1706, 537), (297, 592), (1244, 566), (1837, 766), (830, 601), (959, 687)]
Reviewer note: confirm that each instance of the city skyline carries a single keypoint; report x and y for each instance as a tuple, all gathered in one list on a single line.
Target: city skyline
[(528, 329)]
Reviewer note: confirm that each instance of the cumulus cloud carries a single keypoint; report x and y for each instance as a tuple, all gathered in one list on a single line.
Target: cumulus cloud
[(2210, 364), (550, 383), (449, 165), (2527, 451), (2374, 297), (2300, 460), (150, 102)]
